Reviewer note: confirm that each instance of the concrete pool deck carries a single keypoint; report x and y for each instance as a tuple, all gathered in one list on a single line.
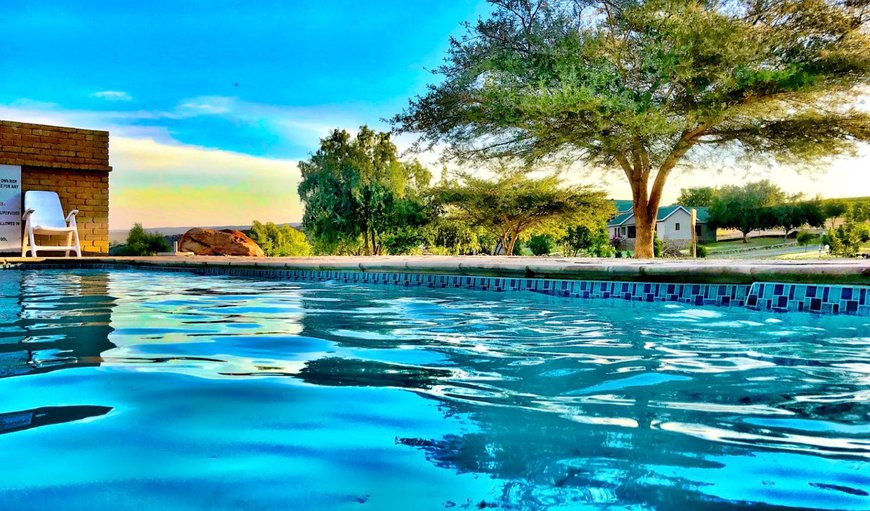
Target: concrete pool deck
[(830, 271)]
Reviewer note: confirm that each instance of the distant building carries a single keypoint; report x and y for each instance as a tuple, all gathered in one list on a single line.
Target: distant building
[(673, 225)]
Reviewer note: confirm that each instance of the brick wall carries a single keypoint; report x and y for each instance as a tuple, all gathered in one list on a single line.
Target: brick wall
[(86, 191), (72, 162), (55, 147)]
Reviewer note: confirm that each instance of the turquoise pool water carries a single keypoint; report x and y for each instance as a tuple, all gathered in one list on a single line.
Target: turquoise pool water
[(149, 390)]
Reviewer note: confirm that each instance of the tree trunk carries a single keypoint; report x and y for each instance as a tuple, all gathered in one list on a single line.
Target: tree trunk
[(509, 250), (745, 234), (645, 226), (366, 247), (635, 162)]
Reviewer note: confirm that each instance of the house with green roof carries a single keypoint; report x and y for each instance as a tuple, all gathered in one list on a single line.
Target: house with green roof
[(673, 225)]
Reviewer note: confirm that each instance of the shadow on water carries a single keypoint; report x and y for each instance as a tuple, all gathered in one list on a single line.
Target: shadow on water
[(45, 416), (340, 372)]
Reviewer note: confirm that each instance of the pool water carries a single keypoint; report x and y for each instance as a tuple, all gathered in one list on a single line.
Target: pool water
[(152, 390)]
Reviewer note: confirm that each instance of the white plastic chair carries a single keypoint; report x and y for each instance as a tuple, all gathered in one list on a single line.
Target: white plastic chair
[(43, 215)]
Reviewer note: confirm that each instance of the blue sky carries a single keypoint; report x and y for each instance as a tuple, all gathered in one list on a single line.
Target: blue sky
[(244, 76), (211, 104)]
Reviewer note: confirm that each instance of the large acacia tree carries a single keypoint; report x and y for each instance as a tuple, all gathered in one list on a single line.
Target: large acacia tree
[(642, 86)]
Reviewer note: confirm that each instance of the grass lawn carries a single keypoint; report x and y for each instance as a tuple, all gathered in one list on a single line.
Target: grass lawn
[(811, 253), (724, 246)]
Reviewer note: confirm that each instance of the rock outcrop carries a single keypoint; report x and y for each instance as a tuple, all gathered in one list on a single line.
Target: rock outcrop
[(225, 242)]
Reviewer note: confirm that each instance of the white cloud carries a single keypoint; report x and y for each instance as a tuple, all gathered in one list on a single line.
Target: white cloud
[(299, 125), (112, 95)]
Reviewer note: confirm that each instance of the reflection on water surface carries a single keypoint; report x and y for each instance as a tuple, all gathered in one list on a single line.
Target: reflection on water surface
[(194, 392)]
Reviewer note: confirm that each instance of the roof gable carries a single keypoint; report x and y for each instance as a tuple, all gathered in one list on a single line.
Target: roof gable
[(663, 214), (622, 205), (620, 218)]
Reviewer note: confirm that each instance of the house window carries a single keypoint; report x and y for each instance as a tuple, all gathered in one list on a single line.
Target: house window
[(632, 232), (677, 226)]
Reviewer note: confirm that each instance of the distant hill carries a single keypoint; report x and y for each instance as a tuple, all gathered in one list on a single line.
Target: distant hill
[(175, 233)]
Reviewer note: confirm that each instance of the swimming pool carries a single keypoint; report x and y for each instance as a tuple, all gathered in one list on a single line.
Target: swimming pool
[(124, 389)]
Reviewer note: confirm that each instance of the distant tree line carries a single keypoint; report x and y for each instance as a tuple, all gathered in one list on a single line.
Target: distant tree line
[(762, 205)]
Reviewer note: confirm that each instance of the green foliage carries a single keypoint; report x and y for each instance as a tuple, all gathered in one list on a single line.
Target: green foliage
[(141, 243), (640, 86), (805, 237), (593, 241), (357, 190), (701, 251), (443, 251), (657, 245), (794, 213), (846, 240), (342, 246), (514, 204), (453, 236), (835, 208), (745, 208), (701, 197), (859, 211), (280, 241), (404, 241), (541, 244)]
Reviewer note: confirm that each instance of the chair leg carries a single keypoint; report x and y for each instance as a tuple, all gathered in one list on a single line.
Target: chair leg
[(69, 239), (78, 245), (32, 243)]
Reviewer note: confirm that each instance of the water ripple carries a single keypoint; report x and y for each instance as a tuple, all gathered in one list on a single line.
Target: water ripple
[(547, 402)]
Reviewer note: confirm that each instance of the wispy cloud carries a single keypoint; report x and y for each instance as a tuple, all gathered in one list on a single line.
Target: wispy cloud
[(295, 124), (112, 95)]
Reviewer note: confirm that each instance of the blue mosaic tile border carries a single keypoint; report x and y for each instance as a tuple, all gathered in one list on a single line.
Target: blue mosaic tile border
[(777, 297), (824, 299)]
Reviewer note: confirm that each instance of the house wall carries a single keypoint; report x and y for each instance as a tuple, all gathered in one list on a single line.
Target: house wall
[(667, 229), (72, 162), (668, 232)]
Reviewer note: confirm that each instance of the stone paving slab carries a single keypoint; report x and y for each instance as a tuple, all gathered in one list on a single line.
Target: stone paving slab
[(843, 271)]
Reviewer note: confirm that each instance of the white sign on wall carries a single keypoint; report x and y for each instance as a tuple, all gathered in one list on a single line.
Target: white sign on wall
[(10, 208)]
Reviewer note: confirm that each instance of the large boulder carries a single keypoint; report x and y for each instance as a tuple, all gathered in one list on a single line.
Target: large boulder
[(225, 242)]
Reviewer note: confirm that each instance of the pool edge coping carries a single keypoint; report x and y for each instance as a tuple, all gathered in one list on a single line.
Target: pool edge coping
[(770, 296), (724, 272)]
